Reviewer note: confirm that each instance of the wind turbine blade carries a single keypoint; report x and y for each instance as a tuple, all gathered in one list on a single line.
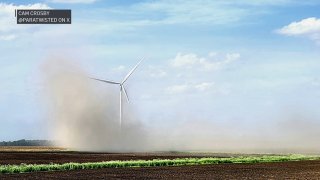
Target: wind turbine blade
[(132, 70), (125, 93), (110, 82)]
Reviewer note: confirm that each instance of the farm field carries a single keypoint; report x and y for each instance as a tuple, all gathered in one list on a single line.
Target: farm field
[(45, 155)]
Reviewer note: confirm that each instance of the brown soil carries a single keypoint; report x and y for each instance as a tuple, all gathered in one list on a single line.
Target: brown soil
[(282, 170)]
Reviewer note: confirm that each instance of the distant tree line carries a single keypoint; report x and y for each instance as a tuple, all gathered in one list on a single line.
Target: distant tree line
[(24, 142)]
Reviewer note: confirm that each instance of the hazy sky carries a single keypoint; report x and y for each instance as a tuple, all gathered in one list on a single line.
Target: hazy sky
[(241, 62)]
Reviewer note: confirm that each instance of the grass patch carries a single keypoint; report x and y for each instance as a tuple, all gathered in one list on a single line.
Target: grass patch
[(22, 168)]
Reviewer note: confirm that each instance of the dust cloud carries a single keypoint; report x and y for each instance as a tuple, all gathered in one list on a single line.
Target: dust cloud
[(83, 115)]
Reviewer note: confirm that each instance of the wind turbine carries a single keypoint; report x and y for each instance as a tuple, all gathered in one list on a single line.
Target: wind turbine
[(122, 88)]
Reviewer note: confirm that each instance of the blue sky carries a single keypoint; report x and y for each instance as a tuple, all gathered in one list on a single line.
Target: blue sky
[(246, 62)]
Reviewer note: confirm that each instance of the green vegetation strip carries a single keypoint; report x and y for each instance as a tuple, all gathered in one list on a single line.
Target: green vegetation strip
[(22, 168)]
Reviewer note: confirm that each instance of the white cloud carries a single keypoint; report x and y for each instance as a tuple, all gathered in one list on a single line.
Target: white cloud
[(183, 88), (212, 54), (309, 27), (187, 60), (204, 86), (8, 23), (231, 57), (73, 1), (156, 71), (177, 89), (211, 62), (7, 37), (120, 68), (158, 74)]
